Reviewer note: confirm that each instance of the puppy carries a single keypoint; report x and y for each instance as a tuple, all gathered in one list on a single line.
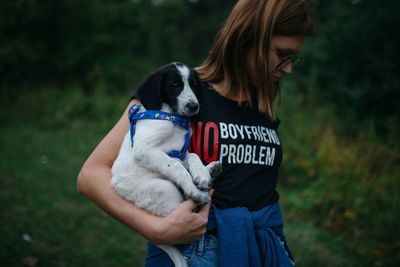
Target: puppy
[(153, 169)]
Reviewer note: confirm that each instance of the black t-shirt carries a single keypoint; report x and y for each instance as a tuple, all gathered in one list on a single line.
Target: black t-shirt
[(245, 141)]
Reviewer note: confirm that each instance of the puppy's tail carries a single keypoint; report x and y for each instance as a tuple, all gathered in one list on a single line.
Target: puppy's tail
[(175, 255)]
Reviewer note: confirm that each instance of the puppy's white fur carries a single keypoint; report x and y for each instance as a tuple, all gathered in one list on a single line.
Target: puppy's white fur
[(145, 175)]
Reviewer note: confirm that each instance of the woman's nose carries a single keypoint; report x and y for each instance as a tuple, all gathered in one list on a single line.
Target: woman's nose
[(287, 69)]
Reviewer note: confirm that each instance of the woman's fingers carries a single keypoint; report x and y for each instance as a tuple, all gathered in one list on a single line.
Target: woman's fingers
[(187, 222), (188, 205)]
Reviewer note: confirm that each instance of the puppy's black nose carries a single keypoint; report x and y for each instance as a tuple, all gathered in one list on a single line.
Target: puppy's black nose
[(192, 107)]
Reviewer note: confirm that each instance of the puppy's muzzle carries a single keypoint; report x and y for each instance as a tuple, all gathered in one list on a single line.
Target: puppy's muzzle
[(192, 107)]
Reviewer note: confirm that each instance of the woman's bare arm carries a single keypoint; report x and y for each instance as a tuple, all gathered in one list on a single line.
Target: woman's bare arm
[(181, 226)]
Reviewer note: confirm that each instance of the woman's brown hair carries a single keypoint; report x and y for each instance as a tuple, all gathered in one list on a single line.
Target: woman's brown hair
[(251, 24)]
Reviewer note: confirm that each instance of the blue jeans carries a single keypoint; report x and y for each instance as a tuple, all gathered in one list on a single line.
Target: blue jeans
[(202, 253)]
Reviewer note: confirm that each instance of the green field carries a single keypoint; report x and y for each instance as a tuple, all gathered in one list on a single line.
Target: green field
[(46, 135)]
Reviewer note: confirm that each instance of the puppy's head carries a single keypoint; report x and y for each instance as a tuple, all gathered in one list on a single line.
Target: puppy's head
[(174, 84)]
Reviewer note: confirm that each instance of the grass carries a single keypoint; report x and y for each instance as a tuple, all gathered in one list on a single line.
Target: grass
[(44, 218), (39, 200), (46, 135)]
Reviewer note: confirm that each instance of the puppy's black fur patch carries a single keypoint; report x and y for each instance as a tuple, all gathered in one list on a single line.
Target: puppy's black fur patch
[(164, 85)]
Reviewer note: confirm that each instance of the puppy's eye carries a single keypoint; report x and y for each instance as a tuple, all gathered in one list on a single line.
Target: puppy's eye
[(175, 84)]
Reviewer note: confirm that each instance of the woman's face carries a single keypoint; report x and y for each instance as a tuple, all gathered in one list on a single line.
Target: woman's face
[(283, 54), (281, 57)]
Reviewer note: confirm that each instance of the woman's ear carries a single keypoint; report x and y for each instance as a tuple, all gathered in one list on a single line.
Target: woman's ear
[(149, 91)]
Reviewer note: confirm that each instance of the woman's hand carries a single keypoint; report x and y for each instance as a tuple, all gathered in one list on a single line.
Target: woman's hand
[(184, 225)]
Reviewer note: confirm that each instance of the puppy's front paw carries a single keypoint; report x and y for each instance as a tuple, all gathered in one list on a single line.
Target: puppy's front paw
[(214, 168), (202, 182), (200, 197)]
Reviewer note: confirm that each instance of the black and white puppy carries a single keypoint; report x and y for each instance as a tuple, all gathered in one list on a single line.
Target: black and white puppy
[(143, 173)]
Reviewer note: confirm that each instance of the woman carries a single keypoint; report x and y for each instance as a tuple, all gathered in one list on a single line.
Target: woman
[(255, 48)]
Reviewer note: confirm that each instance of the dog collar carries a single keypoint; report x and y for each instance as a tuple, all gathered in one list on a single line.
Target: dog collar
[(135, 115)]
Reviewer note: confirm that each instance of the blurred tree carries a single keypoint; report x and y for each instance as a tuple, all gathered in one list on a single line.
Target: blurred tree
[(352, 59), (351, 62), (116, 42), (29, 39)]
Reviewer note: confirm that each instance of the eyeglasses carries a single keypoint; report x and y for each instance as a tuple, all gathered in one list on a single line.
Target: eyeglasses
[(287, 59)]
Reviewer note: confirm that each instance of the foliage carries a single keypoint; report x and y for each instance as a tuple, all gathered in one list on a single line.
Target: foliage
[(116, 42), (348, 184), (352, 59)]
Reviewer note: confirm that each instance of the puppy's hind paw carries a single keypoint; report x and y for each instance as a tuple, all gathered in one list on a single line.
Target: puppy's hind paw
[(214, 168), (200, 197), (202, 183)]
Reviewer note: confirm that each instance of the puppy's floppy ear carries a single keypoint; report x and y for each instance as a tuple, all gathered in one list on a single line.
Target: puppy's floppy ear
[(149, 91)]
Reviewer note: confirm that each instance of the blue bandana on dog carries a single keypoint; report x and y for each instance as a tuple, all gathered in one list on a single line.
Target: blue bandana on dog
[(135, 115)]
